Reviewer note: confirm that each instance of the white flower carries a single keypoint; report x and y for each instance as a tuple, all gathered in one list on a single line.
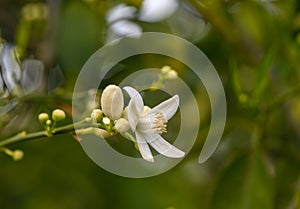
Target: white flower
[(148, 125), (112, 102)]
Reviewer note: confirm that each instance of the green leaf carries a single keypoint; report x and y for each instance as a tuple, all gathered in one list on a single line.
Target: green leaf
[(245, 184)]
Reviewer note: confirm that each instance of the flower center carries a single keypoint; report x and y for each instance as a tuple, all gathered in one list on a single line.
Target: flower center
[(160, 123)]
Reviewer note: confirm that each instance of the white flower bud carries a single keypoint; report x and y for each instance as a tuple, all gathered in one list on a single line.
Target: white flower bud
[(58, 115), (102, 133), (172, 75), (166, 69), (169, 73), (122, 125), (112, 102), (106, 120), (97, 115), (97, 131), (43, 117)]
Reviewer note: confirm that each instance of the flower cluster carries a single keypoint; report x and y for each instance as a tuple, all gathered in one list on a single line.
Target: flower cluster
[(147, 124), (49, 125)]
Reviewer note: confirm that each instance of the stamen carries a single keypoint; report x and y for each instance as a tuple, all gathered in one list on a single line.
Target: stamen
[(160, 123)]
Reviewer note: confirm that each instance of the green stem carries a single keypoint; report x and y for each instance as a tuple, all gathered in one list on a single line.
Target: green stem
[(131, 138), (23, 136), (7, 151)]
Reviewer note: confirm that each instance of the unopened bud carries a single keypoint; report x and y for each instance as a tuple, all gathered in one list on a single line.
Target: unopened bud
[(166, 69), (17, 155), (106, 120), (97, 115), (58, 115), (43, 117), (97, 131), (48, 122), (102, 133), (122, 125), (169, 73), (112, 102)]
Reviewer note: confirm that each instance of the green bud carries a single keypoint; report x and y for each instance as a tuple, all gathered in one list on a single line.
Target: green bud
[(58, 115), (43, 117), (97, 115), (17, 155), (48, 122)]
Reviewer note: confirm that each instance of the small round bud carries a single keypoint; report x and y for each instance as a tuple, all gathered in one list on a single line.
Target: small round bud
[(48, 122), (43, 117), (122, 125), (17, 154), (166, 69), (58, 115), (172, 75), (97, 115), (106, 120)]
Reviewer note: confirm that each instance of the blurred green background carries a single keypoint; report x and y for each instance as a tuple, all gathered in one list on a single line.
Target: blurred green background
[(253, 44)]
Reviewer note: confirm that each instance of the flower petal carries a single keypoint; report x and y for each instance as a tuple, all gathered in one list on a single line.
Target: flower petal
[(162, 146), (168, 108), (143, 147), (133, 115), (135, 95)]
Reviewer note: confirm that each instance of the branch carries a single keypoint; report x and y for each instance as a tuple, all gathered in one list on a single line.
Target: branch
[(23, 136)]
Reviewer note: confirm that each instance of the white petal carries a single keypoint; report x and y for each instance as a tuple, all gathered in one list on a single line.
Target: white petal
[(135, 95), (143, 147), (133, 115), (162, 146), (168, 108)]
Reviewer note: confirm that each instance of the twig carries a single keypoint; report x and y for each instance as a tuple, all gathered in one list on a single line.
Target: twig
[(23, 136)]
